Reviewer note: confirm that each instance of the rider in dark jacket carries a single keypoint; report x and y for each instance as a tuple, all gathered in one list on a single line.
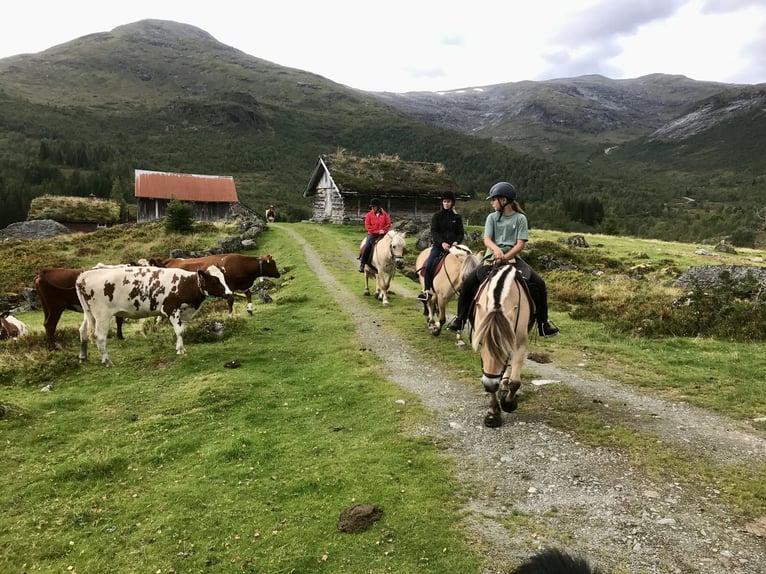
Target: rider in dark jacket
[(446, 230)]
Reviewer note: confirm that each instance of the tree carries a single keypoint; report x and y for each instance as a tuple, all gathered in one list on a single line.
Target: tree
[(178, 217)]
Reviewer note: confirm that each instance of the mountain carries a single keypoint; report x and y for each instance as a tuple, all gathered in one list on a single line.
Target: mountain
[(78, 118), (563, 119)]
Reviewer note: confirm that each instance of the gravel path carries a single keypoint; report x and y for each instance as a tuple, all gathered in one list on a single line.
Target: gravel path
[(588, 500)]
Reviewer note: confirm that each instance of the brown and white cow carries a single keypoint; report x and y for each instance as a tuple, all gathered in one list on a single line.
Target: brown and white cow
[(240, 271), (138, 292), (56, 290), (11, 327)]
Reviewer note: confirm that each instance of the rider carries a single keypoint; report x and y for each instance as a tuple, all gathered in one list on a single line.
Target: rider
[(505, 234), (377, 222), (446, 230)]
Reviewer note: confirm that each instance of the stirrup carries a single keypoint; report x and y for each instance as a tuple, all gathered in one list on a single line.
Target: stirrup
[(456, 324), (547, 329)]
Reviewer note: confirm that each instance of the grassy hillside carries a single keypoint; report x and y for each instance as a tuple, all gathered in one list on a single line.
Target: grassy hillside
[(77, 119)]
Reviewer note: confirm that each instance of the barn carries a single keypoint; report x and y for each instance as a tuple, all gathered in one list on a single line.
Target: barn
[(342, 186), (210, 195)]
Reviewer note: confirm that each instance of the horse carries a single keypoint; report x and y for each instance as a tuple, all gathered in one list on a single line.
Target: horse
[(447, 281), (503, 317), (555, 561), (387, 256)]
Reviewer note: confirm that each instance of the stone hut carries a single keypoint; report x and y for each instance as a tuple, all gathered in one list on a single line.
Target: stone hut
[(342, 185)]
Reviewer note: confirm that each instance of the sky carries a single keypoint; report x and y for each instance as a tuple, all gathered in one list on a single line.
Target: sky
[(439, 45)]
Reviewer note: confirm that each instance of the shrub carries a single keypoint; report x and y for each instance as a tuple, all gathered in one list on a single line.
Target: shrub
[(178, 217), (743, 238)]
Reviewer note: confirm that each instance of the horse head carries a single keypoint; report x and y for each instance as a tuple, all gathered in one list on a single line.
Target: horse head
[(397, 247)]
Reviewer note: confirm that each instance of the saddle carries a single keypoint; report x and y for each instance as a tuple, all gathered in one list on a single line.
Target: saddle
[(518, 277), (372, 250), (437, 267)]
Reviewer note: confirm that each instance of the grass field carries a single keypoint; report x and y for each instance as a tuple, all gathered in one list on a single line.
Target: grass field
[(167, 464)]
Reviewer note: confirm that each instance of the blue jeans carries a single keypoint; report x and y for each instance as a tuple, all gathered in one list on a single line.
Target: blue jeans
[(367, 250), (428, 269)]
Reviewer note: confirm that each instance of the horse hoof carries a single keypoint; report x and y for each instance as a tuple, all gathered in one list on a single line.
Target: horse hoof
[(508, 402), (493, 420), (366, 293)]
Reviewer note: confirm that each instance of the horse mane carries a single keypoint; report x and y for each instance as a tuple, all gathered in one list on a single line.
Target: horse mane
[(496, 333), (471, 261), (554, 561)]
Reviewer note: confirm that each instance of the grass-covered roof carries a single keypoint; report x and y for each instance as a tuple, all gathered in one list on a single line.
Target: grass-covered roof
[(387, 175), (74, 209)]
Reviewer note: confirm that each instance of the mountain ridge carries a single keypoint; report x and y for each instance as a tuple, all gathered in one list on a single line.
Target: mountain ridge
[(157, 94)]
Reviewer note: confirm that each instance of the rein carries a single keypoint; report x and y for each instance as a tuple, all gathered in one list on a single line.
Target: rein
[(446, 272)]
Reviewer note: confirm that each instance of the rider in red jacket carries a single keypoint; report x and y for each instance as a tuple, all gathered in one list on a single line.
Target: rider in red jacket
[(377, 222)]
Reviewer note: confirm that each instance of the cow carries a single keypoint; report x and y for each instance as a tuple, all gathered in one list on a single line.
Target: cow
[(239, 270), (138, 292), (56, 290), (11, 327)]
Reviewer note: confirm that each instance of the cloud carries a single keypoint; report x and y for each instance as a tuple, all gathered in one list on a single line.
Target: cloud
[(754, 54), (726, 6), (609, 19), (453, 40)]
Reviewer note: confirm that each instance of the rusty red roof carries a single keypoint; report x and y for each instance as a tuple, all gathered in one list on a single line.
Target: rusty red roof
[(185, 186)]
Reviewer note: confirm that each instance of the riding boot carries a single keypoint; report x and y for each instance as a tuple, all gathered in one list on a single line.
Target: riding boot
[(465, 297), (539, 293), (363, 258)]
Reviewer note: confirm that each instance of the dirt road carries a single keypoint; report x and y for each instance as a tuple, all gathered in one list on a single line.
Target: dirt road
[(587, 500)]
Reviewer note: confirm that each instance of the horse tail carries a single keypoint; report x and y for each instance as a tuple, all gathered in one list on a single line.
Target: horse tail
[(496, 332)]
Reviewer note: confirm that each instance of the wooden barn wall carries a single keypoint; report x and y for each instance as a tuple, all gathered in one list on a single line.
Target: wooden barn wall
[(152, 209), (329, 206)]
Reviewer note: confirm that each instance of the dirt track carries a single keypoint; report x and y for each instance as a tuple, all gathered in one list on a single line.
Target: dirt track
[(588, 500)]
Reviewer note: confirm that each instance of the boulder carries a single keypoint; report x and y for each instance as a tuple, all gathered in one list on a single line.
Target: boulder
[(33, 229)]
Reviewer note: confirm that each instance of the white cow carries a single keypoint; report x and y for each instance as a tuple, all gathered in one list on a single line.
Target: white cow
[(137, 292)]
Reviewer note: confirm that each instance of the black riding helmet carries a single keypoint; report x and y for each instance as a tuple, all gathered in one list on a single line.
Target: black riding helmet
[(502, 189), (375, 202)]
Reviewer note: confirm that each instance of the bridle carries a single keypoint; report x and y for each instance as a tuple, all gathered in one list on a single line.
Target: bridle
[(398, 259), (455, 290)]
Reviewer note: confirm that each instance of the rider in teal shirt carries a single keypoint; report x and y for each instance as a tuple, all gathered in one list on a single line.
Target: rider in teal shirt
[(505, 233)]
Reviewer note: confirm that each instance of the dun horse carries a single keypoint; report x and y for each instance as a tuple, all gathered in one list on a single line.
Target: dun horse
[(387, 256), (447, 282), (501, 324)]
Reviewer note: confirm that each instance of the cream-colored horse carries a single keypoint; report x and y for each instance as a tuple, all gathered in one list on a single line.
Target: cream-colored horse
[(447, 282), (501, 323), (387, 256)]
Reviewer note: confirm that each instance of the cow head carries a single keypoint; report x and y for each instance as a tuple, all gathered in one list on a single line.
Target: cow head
[(268, 266), (213, 283)]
